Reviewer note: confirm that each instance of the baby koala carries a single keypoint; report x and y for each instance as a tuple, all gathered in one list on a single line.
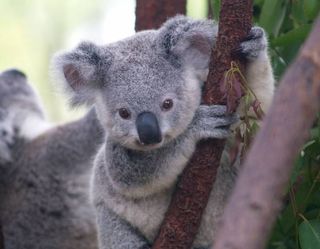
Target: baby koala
[(21, 113), (147, 93), (44, 172)]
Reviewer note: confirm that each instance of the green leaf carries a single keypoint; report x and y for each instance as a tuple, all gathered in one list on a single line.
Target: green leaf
[(216, 8), (272, 15), (309, 234), (293, 36), (296, 15), (311, 8)]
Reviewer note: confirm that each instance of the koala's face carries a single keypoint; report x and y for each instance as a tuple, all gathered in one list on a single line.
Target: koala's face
[(144, 100), (13, 85), (16, 93), (146, 88)]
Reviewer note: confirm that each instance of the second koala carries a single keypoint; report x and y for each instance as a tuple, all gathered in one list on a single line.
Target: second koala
[(147, 92)]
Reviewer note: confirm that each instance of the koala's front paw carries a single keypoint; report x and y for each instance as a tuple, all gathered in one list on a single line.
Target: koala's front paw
[(6, 138), (253, 45), (212, 122)]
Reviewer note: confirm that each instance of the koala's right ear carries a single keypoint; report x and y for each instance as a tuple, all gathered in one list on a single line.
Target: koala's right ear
[(82, 71), (187, 42)]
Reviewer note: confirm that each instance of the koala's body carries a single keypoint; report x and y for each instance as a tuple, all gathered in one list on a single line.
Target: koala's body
[(147, 92), (45, 172)]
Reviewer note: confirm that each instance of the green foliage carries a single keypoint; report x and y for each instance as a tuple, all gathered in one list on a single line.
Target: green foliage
[(309, 234), (288, 23)]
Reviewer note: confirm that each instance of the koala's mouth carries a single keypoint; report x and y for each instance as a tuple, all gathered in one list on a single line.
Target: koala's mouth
[(143, 146)]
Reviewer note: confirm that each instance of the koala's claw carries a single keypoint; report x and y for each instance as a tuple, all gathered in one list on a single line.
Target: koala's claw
[(211, 111), (212, 122), (252, 45)]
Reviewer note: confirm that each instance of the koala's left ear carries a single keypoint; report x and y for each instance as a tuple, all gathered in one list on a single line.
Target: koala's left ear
[(187, 42), (81, 71)]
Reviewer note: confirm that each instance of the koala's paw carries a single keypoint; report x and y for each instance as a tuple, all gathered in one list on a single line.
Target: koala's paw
[(6, 138), (212, 122), (255, 44)]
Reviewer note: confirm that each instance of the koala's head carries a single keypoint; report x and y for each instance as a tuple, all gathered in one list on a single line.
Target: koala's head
[(146, 88), (16, 93)]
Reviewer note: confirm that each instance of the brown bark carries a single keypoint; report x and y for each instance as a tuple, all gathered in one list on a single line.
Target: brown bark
[(259, 191), (190, 199), (150, 14)]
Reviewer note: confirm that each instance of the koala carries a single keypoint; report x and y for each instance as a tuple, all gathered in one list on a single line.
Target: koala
[(45, 172), (147, 93), (20, 112)]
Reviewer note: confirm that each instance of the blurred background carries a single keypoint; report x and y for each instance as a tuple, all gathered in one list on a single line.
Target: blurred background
[(31, 31)]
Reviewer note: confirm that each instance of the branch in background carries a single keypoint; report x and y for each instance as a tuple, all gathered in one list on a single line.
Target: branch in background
[(150, 14), (259, 191), (183, 217)]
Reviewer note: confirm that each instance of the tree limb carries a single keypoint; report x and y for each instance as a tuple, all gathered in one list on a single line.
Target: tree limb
[(150, 14), (259, 191), (183, 217)]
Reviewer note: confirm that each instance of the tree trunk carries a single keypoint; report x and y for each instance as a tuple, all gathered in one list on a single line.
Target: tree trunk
[(150, 14), (260, 189), (183, 217)]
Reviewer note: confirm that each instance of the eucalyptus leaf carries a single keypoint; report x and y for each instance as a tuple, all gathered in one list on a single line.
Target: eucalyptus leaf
[(293, 36), (309, 234), (272, 15), (311, 8)]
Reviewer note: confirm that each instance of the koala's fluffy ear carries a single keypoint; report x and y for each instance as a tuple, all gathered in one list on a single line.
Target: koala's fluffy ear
[(187, 42), (82, 71)]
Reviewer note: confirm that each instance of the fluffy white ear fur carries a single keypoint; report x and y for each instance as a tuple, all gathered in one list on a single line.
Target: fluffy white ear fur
[(78, 71), (189, 41)]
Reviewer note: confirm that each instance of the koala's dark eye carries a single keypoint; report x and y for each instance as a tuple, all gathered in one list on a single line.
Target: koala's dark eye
[(124, 113), (167, 104)]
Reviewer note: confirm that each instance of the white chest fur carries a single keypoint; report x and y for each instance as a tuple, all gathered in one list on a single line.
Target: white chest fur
[(146, 214)]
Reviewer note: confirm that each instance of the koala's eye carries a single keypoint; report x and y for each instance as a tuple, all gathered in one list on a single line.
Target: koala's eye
[(167, 104), (124, 113)]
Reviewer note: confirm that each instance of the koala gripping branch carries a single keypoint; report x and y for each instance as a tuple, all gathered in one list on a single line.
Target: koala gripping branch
[(150, 14), (283, 132), (183, 217)]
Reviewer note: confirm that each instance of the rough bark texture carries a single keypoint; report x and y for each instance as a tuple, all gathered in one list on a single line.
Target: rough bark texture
[(150, 14), (190, 199), (259, 191)]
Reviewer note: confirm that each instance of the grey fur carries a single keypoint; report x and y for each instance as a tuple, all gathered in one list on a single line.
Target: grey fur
[(44, 186), (132, 182)]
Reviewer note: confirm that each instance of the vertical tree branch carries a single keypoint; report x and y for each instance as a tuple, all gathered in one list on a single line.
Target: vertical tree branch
[(259, 191), (190, 199), (150, 14)]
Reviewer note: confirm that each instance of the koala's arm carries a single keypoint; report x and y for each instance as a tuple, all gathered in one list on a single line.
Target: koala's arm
[(74, 143), (116, 233), (259, 73)]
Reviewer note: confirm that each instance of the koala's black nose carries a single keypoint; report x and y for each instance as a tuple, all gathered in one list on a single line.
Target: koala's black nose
[(148, 128), (14, 72)]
